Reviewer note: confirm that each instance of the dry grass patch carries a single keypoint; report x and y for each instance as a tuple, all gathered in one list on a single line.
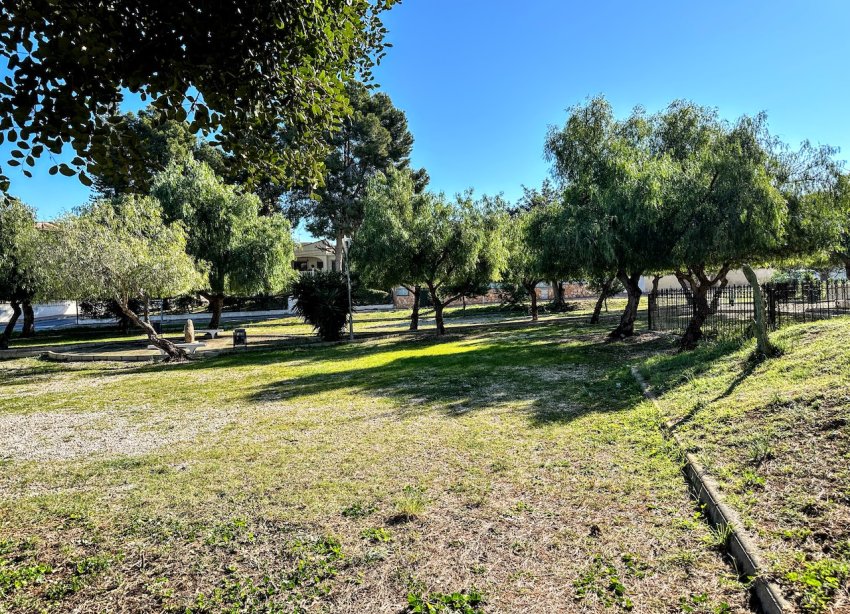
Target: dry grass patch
[(504, 472)]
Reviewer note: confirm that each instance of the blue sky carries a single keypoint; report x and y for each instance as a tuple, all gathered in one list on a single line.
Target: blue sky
[(480, 80)]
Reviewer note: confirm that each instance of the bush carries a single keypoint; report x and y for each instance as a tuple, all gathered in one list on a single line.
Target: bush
[(322, 300)]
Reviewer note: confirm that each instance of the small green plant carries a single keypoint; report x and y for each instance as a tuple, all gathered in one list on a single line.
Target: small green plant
[(14, 578), (437, 603), (377, 535), (760, 450), (817, 583), (358, 510), (602, 580), (719, 536), (234, 530), (411, 503), (750, 480)]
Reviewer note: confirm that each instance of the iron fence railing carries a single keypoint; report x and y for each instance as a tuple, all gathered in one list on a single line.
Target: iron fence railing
[(733, 309)]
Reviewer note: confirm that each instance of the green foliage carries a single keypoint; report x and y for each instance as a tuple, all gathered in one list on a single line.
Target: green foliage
[(373, 139), (524, 265), (602, 580), (19, 247), (237, 71), (377, 535), (411, 503), (322, 300), (137, 255), (13, 578), (454, 248), (245, 253), (467, 602), (818, 582)]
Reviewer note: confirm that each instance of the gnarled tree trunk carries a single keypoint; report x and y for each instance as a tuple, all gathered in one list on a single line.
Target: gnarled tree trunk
[(414, 314), (439, 305), (438, 317), (626, 327), (531, 287), (10, 325), (652, 300), (701, 285), (603, 296), (172, 351), (29, 320), (216, 307)]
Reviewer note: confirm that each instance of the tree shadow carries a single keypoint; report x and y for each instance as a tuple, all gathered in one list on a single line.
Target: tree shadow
[(550, 379), (668, 371)]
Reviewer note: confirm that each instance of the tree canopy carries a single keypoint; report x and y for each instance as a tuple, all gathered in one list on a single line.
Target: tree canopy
[(245, 253), (374, 138), (451, 247), (614, 194), (120, 249), (21, 272), (233, 69)]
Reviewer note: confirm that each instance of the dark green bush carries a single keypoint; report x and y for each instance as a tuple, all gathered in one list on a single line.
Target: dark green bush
[(322, 300)]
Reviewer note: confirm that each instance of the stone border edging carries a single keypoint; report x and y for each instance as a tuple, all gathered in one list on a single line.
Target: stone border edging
[(739, 546), (61, 357)]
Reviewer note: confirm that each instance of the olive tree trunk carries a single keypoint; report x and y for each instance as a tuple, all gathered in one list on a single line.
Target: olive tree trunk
[(10, 325), (603, 296), (29, 320), (173, 352), (626, 327), (701, 285), (414, 314), (765, 348), (531, 288)]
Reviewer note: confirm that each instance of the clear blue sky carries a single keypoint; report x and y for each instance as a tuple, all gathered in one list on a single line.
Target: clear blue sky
[(481, 80)]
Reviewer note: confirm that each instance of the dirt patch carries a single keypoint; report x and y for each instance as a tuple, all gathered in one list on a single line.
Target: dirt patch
[(64, 436)]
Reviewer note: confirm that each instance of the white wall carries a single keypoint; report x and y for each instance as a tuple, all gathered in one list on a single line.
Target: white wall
[(736, 278), (43, 310)]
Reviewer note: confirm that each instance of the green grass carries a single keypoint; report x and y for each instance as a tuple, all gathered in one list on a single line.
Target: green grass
[(776, 436), (100, 339), (503, 470)]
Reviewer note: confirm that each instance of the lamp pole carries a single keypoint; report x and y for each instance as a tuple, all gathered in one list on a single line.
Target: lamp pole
[(345, 242)]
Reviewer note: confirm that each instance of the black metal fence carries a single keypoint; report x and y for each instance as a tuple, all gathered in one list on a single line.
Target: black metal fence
[(733, 308)]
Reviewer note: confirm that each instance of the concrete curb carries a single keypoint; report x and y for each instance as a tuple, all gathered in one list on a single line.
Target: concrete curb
[(61, 357), (19, 353), (740, 546)]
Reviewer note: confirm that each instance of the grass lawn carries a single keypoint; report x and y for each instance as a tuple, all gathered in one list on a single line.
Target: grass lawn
[(108, 340), (776, 436), (500, 471)]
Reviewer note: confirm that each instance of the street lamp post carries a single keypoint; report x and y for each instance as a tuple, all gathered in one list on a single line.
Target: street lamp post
[(346, 243)]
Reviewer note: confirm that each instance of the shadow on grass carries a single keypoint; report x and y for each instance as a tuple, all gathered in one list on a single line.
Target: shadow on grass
[(667, 371), (551, 379)]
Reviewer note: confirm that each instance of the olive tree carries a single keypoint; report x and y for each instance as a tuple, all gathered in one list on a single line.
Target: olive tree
[(524, 266), (20, 267), (245, 253), (121, 249), (615, 185), (453, 248)]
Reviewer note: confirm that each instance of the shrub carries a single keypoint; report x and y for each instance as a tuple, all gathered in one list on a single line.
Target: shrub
[(322, 300)]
